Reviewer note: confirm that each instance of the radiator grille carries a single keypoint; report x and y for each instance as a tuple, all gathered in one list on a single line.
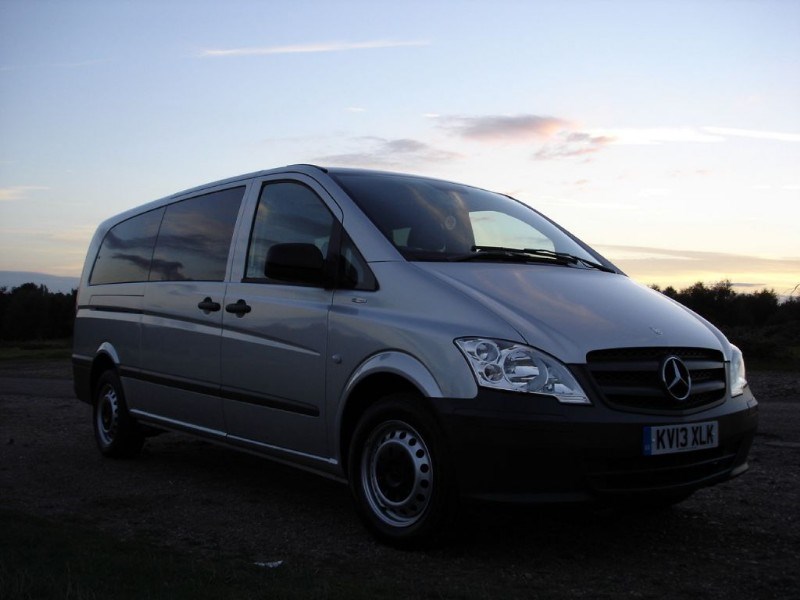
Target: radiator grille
[(631, 378)]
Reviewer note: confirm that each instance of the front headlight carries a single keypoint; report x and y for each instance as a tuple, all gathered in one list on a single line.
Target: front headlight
[(504, 365), (737, 374)]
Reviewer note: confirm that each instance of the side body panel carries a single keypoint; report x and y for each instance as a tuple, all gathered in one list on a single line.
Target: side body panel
[(273, 367), (107, 323), (179, 374)]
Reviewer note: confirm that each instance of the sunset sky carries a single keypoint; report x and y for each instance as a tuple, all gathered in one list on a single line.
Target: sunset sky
[(664, 134)]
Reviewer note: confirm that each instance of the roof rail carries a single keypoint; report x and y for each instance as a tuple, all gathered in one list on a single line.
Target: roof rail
[(323, 169)]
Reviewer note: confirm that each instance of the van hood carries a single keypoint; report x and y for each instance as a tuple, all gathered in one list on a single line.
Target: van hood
[(569, 311)]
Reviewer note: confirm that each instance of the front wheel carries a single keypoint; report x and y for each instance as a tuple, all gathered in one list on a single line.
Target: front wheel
[(400, 474), (116, 432)]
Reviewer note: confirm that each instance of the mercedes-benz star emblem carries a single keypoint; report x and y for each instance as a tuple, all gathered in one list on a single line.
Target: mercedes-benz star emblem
[(676, 378)]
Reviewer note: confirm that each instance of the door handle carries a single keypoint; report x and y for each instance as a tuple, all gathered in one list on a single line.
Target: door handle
[(239, 308), (208, 305)]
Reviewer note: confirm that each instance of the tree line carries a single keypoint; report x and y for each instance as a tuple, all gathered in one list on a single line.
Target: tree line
[(724, 307), (32, 312), (759, 323)]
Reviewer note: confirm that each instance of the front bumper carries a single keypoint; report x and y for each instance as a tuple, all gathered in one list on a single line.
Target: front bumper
[(522, 448)]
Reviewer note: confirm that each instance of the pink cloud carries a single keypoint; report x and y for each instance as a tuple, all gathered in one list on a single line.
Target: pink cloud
[(520, 128)]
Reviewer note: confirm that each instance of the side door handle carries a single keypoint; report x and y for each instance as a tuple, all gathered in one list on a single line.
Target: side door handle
[(208, 305), (239, 308)]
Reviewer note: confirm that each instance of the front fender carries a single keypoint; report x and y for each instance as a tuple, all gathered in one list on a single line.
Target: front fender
[(395, 363)]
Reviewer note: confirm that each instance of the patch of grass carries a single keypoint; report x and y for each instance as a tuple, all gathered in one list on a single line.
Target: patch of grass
[(36, 350), (46, 559)]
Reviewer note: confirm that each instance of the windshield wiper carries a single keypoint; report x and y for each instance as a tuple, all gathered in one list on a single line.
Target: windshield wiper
[(499, 252)]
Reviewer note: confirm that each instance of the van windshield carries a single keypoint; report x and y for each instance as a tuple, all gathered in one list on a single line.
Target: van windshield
[(432, 220)]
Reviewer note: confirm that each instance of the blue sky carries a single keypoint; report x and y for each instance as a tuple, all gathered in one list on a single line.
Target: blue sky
[(666, 134)]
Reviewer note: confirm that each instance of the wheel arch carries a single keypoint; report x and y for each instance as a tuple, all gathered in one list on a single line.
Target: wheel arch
[(378, 376), (106, 359)]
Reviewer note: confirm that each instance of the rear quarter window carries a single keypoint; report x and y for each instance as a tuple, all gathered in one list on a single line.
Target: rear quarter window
[(127, 250), (195, 237)]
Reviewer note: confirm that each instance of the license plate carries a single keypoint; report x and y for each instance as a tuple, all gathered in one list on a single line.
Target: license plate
[(670, 439)]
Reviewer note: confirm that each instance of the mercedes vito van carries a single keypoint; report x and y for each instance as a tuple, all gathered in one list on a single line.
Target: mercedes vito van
[(425, 341)]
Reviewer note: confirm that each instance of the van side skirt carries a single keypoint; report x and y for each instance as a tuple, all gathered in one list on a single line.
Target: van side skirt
[(227, 393)]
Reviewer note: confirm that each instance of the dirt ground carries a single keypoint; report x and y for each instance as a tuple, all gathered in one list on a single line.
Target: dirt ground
[(737, 540)]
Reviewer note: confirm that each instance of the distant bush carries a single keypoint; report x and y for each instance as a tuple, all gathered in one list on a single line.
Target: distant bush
[(32, 312), (761, 325)]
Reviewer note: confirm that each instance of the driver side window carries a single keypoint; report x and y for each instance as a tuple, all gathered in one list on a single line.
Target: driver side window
[(288, 212)]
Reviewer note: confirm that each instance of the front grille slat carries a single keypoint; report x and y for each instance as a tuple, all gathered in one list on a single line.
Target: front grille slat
[(698, 365), (620, 366), (708, 386), (630, 378), (630, 390)]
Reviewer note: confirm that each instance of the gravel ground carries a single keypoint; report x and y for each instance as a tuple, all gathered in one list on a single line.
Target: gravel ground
[(740, 539)]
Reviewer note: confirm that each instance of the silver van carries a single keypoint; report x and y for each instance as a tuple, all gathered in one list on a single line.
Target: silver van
[(426, 341)]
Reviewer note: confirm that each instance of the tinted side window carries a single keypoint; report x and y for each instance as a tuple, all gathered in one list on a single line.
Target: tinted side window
[(287, 213), (127, 250), (195, 237)]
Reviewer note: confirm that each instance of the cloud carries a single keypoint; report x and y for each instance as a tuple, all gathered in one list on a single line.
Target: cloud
[(19, 192), (571, 140), (570, 144), (77, 235), (751, 133), (561, 138), (650, 253), (383, 153), (680, 268), (520, 128), (655, 135), (655, 265), (311, 48)]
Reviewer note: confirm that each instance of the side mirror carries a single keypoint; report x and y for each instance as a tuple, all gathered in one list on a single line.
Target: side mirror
[(295, 263)]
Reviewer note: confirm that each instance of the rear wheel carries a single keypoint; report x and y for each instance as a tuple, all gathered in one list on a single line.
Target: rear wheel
[(116, 432), (400, 473)]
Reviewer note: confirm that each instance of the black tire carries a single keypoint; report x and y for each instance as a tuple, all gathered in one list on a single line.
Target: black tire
[(115, 430), (400, 473)]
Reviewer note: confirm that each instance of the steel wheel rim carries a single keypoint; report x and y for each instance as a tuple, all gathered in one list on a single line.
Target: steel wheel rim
[(397, 474), (108, 415)]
